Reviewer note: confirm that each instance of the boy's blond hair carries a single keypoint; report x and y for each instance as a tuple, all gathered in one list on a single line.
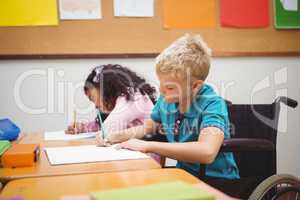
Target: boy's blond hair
[(188, 54)]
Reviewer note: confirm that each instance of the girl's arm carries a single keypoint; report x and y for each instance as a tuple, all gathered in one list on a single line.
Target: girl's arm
[(92, 126), (82, 127), (202, 151), (126, 112)]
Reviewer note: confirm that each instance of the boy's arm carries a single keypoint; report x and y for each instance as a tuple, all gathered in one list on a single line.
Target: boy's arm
[(203, 151), (149, 127)]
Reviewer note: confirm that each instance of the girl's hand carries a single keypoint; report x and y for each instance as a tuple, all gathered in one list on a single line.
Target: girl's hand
[(101, 142), (136, 145), (72, 129)]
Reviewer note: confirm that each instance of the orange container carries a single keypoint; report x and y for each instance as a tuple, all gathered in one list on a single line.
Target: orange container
[(20, 155)]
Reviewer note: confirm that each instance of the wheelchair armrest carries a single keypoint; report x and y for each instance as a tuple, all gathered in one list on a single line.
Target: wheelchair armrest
[(246, 144)]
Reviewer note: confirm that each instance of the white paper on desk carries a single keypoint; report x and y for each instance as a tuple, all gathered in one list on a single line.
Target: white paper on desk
[(290, 5), (89, 153), (60, 135), (134, 8)]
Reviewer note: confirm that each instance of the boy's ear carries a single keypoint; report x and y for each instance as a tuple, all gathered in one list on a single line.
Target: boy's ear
[(197, 84)]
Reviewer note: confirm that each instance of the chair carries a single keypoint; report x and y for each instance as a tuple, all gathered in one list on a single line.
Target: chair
[(253, 140), (277, 187), (253, 129)]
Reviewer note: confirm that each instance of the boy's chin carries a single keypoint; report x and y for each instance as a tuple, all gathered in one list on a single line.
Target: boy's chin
[(171, 100)]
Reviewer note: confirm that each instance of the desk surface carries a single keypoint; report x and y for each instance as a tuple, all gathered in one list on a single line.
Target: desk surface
[(43, 168), (55, 187)]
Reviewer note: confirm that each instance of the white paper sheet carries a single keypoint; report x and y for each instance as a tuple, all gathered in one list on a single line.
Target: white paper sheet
[(60, 135), (134, 8), (80, 9), (89, 153), (290, 5)]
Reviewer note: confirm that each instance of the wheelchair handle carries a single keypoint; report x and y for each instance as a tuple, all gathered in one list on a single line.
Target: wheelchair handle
[(287, 101)]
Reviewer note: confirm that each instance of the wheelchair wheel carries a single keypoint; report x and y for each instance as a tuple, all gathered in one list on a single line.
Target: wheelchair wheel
[(281, 186)]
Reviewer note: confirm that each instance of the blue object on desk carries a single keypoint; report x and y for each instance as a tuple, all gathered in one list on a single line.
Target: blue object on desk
[(8, 130)]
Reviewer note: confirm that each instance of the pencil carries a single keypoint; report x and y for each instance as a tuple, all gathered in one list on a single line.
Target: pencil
[(74, 119)]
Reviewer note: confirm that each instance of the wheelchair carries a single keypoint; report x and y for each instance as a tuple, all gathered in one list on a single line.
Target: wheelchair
[(283, 186), (253, 130)]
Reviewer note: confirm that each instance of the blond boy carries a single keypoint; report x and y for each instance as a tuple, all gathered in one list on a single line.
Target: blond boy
[(191, 115)]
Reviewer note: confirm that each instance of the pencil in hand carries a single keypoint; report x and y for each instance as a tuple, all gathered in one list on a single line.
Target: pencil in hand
[(75, 116)]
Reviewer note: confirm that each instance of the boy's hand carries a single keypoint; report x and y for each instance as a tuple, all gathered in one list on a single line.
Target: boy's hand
[(136, 145), (101, 142), (72, 129)]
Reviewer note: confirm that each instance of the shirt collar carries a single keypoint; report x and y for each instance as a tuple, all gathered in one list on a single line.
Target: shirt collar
[(194, 108)]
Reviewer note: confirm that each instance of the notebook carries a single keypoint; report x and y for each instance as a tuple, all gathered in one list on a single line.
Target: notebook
[(61, 135), (89, 153), (162, 191), (4, 145), (8, 130)]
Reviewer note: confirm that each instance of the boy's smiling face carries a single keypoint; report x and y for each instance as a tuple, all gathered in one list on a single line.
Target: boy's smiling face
[(170, 88), (176, 89)]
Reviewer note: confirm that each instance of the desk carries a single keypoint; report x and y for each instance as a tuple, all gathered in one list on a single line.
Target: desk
[(50, 188), (43, 168)]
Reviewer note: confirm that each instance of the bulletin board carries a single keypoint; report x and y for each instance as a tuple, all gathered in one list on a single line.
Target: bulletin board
[(138, 37)]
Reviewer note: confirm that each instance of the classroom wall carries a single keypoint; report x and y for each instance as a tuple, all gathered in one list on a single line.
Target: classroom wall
[(40, 95)]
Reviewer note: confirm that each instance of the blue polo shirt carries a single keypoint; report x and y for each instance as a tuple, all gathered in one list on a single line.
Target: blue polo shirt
[(207, 110)]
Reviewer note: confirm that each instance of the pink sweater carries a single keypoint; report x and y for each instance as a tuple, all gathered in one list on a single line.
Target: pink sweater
[(125, 114)]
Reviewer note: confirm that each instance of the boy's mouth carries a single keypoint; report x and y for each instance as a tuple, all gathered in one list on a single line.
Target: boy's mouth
[(171, 99)]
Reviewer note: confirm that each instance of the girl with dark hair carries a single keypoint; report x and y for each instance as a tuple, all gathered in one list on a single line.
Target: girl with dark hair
[(121, 94)]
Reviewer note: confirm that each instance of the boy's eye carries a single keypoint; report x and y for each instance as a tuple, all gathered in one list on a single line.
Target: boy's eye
[(170, 88)]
